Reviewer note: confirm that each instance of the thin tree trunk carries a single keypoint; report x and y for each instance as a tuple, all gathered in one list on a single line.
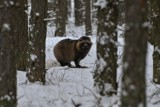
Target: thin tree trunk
[(8, 81), (37, 39), (69, 6), (150, 13), (78, 12), (134, 61), (121, 12), (88, 27), (155, 38), (105, 74), (22, 39), (61, 17)]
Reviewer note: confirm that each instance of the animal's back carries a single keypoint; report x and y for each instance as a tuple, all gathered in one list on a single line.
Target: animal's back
[(64, 50)]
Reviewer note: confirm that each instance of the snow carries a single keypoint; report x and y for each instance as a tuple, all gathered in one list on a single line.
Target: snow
[(6, 27), (147, 25), (108, 87), (11, 2), (101, 3), (33, 57), (37, 14), (101, 64), (6, 97), (66, 87), (157, 49)]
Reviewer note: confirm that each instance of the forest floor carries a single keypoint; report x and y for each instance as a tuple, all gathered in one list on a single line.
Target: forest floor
[(67, 87)]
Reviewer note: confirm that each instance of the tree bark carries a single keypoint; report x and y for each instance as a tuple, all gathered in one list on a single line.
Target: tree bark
[(88, 27), (105, 74), (69, 6), (121, 12), (22, 36), (37, 39), (155, 38), (78, 12), (61, 17), (8, 81), (134, 60)]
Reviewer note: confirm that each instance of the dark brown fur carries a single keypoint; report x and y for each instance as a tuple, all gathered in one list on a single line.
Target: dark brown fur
[(68, 50)]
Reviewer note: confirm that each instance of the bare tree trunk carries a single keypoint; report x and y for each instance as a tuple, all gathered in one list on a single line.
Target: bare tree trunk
[(134, 61), (61, 17), (78, 12), (88, 27), (8, 80), (22, 36), (69, 6), (155, 38), (37, 39), (105, 74), (121, 12), (150, 13)]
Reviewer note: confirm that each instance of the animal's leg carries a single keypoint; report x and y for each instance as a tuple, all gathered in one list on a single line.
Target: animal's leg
[(62, 63), (77, 63)]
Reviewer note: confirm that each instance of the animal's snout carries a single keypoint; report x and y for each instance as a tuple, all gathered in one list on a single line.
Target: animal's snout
[(85, 45)]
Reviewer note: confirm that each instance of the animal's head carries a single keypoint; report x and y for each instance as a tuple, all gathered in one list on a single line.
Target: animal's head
[(84, 43)]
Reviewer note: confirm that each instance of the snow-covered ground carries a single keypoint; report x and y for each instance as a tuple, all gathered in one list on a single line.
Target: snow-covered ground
[(68, 86)]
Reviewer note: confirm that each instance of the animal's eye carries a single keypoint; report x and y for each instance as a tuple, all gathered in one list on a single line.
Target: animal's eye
[(81, 40)]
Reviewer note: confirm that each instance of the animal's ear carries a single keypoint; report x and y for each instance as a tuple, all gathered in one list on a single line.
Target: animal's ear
[(80, 39), (89, 39), (84, 38)]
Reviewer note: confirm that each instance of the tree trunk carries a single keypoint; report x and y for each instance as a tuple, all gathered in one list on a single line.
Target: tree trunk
[(22, 36), (61, 17), (150, 13), (69, 6), (121, 12), (155, 38), (78, 12), (8, 80), (88, 28), (134, 61), (105, 74), (37, 39)]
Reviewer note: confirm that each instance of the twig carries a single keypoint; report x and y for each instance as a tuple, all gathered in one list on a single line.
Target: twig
[(157, 102), (78, 91), (21, 97), (52, 82), (24, 83), (156, 92), (75, 105), (98, 98), (154, 84), (49, 19), (120, 29)]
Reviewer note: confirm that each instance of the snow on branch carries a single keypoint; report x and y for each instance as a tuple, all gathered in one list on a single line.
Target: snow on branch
[(101, 3)]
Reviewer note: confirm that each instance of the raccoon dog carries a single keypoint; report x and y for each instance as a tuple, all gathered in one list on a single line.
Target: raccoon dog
[(68, 50)]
